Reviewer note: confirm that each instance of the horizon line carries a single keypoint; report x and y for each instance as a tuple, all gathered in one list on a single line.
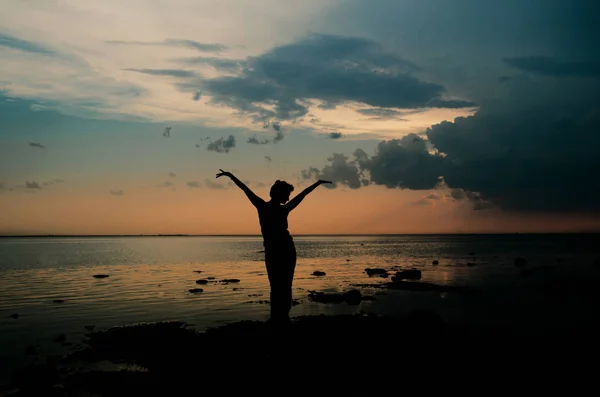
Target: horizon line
[(50, 235)]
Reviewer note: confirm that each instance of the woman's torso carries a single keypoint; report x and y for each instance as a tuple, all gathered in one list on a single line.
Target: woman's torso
[(274, 224)]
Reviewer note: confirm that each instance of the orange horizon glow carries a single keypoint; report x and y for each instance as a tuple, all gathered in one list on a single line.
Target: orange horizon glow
[(372, 210)]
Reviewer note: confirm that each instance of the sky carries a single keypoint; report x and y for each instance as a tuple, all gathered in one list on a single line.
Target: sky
[(429, 116)]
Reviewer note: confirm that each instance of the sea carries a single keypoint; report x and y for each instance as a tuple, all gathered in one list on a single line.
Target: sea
[(48, 288)]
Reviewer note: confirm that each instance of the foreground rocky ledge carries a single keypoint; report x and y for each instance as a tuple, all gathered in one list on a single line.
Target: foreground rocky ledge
[(167, 357)]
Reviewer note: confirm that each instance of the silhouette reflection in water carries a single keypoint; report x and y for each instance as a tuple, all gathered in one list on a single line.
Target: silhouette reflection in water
[(280, 252)]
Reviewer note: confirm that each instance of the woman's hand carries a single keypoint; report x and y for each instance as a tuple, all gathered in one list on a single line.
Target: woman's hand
[(224, 173), (322, 181)]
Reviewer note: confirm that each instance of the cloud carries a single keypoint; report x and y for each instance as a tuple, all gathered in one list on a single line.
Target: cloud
[(182, 43), (220, 64), (268, 158), (165, 72), (550, 66), (172, 174), (36, 144), (381, 113), (194, 184), (197, 96), (328, 68), (335, 135), (32, 185), (15, 43), (167, 132), (254, 140), (166, 184), (53, 182), (213, 185), (278, 137), (117, 192), (222, 145), (537, 150), (339, 171)]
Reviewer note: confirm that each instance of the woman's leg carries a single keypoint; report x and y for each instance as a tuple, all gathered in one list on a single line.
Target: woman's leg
[(280, 269)]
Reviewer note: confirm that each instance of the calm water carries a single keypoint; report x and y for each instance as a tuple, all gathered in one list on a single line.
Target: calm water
[(150, 278)]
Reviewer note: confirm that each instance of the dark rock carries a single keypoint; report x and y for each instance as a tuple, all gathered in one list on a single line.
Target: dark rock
[(101, 275), (14, 315), (201, 282), (520, 262), (371, 272), (210, 278), (195, 290), (471, 254), (471, 264), (352, 297), (318, 273), (197, 271), (30, 349), (435, 262), (58, 301), (230, 280), (409, 274), (89, 327), (60, 338)]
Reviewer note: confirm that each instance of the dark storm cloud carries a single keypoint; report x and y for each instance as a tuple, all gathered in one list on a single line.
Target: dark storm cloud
[(335, 135), (332, 69), (191, 44), (15, 43), (533, 144), (165, 72), (222, 145), (543, 158), (548, 66)]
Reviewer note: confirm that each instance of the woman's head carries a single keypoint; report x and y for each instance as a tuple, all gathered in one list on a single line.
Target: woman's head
[(280, 191)]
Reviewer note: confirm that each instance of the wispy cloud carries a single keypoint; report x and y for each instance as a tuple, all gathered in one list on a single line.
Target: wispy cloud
[(32, 185), (117, 192), (166, 184), (194, 184), (213, 185), (15, 43), (36, 144), (165, 72), (182, 43)]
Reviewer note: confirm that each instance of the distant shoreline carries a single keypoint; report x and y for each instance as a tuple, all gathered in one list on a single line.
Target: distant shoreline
[(296, 235)]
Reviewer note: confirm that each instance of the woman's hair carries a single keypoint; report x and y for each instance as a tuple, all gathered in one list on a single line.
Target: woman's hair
[(280, 188)]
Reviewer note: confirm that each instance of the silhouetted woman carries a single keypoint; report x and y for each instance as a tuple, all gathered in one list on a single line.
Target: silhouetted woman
[(280, 252)]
